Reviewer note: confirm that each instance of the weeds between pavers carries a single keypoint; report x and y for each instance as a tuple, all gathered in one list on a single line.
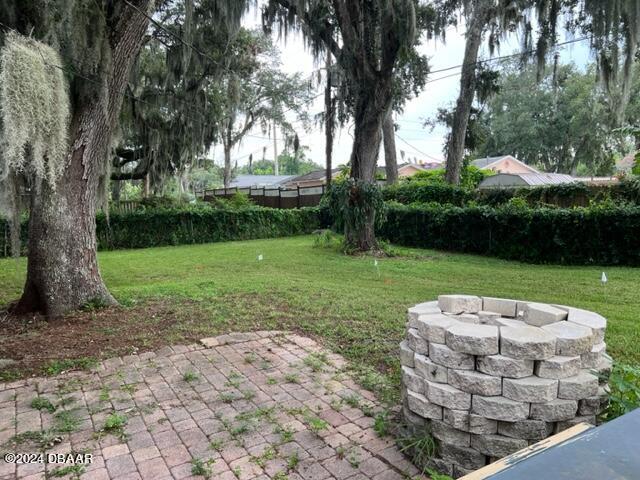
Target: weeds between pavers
[(292, 378), (190, 376), (71, 471), (351, 455), (201, 467), (43, 403), (268, 453), (316, 361), (64, 422), (286, 434), (114, 425)]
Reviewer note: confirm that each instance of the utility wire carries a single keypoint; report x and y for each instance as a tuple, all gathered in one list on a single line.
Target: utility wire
[(504, 57), (452, 67), (417, 150)]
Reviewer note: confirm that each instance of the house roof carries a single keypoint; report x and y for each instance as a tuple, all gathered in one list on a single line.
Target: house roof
[(243, 181), (488, 161), (422, 166), (315, 175), (320, 174), (525, 179)]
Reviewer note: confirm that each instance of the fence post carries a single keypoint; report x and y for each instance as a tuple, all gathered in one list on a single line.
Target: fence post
[(279, 198), (298, 197)]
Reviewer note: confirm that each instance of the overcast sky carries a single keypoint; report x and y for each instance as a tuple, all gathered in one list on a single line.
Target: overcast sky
[(412, 138)]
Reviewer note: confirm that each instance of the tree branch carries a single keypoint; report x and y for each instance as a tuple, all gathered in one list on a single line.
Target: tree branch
[(323, 34), (134, 175)]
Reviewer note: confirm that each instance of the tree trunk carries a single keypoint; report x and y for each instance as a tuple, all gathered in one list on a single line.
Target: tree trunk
[(62, 266), (455, 147), (276, 167), (226, 175), (390, 159), (369, 114), (370, 109), (329, 123)]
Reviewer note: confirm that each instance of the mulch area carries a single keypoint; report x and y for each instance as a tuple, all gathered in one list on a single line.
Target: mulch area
[(35, 341)]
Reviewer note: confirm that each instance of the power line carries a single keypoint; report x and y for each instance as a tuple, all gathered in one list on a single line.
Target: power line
[(444, 77), (504, 57), (417, 150), (477, 62)]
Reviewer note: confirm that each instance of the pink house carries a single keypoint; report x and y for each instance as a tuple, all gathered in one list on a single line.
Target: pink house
[(503, 164)]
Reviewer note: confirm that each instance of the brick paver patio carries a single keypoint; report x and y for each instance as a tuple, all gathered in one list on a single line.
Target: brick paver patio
[(240, 406)]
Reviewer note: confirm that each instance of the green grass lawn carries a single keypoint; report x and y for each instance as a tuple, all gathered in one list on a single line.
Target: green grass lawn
[(357, 309)]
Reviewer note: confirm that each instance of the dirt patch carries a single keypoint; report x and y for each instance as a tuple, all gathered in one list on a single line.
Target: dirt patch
[(35, 341), (40, 345)]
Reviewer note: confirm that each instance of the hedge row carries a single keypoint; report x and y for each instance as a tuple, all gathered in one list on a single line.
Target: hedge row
[(596, 235), (607, 236), (154, 228), (564, 195), (158, 227), (422, 192), (576, 194)]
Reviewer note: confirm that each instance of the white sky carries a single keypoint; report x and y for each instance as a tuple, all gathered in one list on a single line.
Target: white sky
[(421, 143)]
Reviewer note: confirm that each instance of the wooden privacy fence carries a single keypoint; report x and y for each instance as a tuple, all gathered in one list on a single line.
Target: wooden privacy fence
[(124, 206), (271, 197)]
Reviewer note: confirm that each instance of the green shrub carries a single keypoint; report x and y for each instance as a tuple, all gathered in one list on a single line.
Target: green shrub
[(624, 395), (594, 235), (193, 224), (426, 192), (470, 176), (162, 202), (576, 194), (160, 227), (238, 200)]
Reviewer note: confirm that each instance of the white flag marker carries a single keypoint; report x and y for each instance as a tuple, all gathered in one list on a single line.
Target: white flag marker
[(603, 278), (260, 257)]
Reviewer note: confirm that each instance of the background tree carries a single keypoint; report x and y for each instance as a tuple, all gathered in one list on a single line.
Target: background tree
[(262, 97), (558, 123), (366, 38), (486, 84), (172, 111), (410, 77), (490, 19), (290, 162), (612, 27), (329, 115)]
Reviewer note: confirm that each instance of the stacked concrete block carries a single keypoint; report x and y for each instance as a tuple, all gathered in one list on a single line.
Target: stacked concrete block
[(489, 376)]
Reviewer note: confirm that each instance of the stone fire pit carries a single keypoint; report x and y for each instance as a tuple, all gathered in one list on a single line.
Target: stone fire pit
[(489, 376)]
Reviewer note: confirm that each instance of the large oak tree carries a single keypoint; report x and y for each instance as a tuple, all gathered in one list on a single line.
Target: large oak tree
[(98, 41)]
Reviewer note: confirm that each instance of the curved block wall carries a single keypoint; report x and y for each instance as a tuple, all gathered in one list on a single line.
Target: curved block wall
[(489, 376)]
